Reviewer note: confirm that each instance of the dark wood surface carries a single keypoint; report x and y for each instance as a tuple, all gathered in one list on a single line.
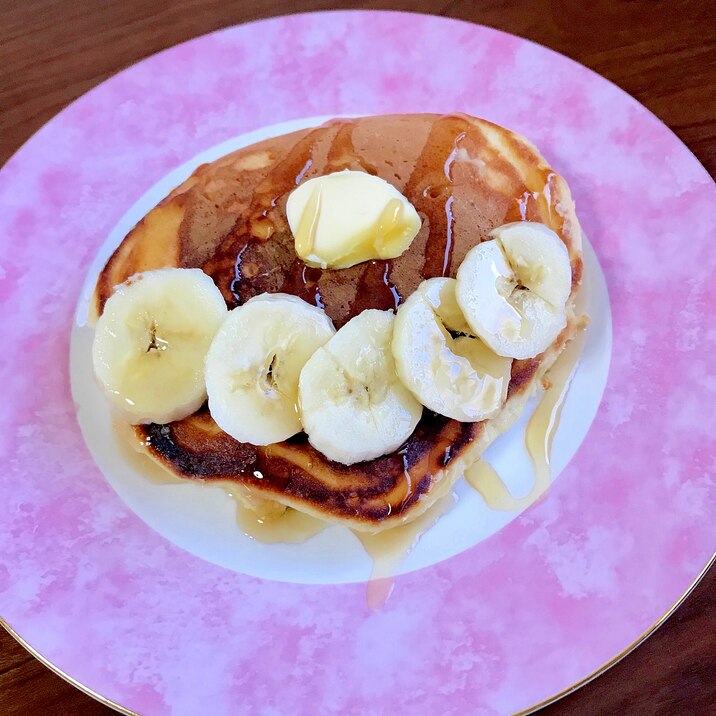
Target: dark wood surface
[(663, 53)]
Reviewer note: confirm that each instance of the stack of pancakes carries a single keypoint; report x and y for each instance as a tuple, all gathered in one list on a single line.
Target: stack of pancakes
[(465, 176)]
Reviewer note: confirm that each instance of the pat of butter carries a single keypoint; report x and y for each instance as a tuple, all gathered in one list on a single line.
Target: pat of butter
[(342, 219)]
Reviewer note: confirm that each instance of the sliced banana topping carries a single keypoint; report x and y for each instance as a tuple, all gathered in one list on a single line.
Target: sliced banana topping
[(341, 219), (353, 406), (539, 258), (254, 362), (513, 289), (151, 340), (459, 377)]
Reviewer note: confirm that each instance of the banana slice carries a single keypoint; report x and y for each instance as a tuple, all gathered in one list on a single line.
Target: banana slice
[(513, 289), (353, 406), (539, 258), (458, 377), (151, 340), (253, 365)]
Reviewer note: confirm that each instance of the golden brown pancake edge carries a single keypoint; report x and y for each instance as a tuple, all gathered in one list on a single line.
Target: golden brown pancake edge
[(464, 175)]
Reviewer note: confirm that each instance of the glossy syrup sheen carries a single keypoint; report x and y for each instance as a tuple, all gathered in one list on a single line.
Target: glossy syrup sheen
[(240, 266), (539, 436), (389, 549), (463, 183), (308, 225), (275, 524), (271, 525), (374, 241)]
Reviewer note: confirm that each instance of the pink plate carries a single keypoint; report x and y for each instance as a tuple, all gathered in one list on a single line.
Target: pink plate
[(502, 626)]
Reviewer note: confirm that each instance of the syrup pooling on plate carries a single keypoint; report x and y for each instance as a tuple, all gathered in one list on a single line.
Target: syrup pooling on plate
[(389, 549), (270, 525), (283, 466), (539, 436), (464, 181), (273, 523), (293, 527)]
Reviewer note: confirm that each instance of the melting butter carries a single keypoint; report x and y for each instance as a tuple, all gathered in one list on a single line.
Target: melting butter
[(344, 218), (308, 225)]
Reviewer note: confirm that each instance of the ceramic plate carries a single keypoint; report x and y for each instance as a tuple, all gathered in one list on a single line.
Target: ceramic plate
[(151, 596)]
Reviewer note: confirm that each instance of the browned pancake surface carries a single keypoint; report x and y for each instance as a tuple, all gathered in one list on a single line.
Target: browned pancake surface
[(464, 176)]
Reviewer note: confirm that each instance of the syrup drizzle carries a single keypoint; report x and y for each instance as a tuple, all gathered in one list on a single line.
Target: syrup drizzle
[(427, 186), (539, 436), (270, 525), (447, 167), (302, 173), (308, 225), (389, 549), (430, 187), (309, 278), (274, 524), (447, 254), (535, 203), (430, 190), (397, 298)]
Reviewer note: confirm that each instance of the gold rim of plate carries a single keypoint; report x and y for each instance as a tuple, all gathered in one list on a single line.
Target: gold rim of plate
[(70, 680), (565, 692)]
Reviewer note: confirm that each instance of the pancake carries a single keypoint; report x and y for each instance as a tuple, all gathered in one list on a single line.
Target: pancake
[(465, 176)]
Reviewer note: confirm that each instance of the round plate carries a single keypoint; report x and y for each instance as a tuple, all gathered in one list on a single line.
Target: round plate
[(500, 626)]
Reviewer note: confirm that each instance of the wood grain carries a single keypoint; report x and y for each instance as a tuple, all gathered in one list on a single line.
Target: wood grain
[(663, 53)]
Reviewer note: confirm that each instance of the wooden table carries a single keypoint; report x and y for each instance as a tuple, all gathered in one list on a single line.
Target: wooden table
[(663, 53)]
